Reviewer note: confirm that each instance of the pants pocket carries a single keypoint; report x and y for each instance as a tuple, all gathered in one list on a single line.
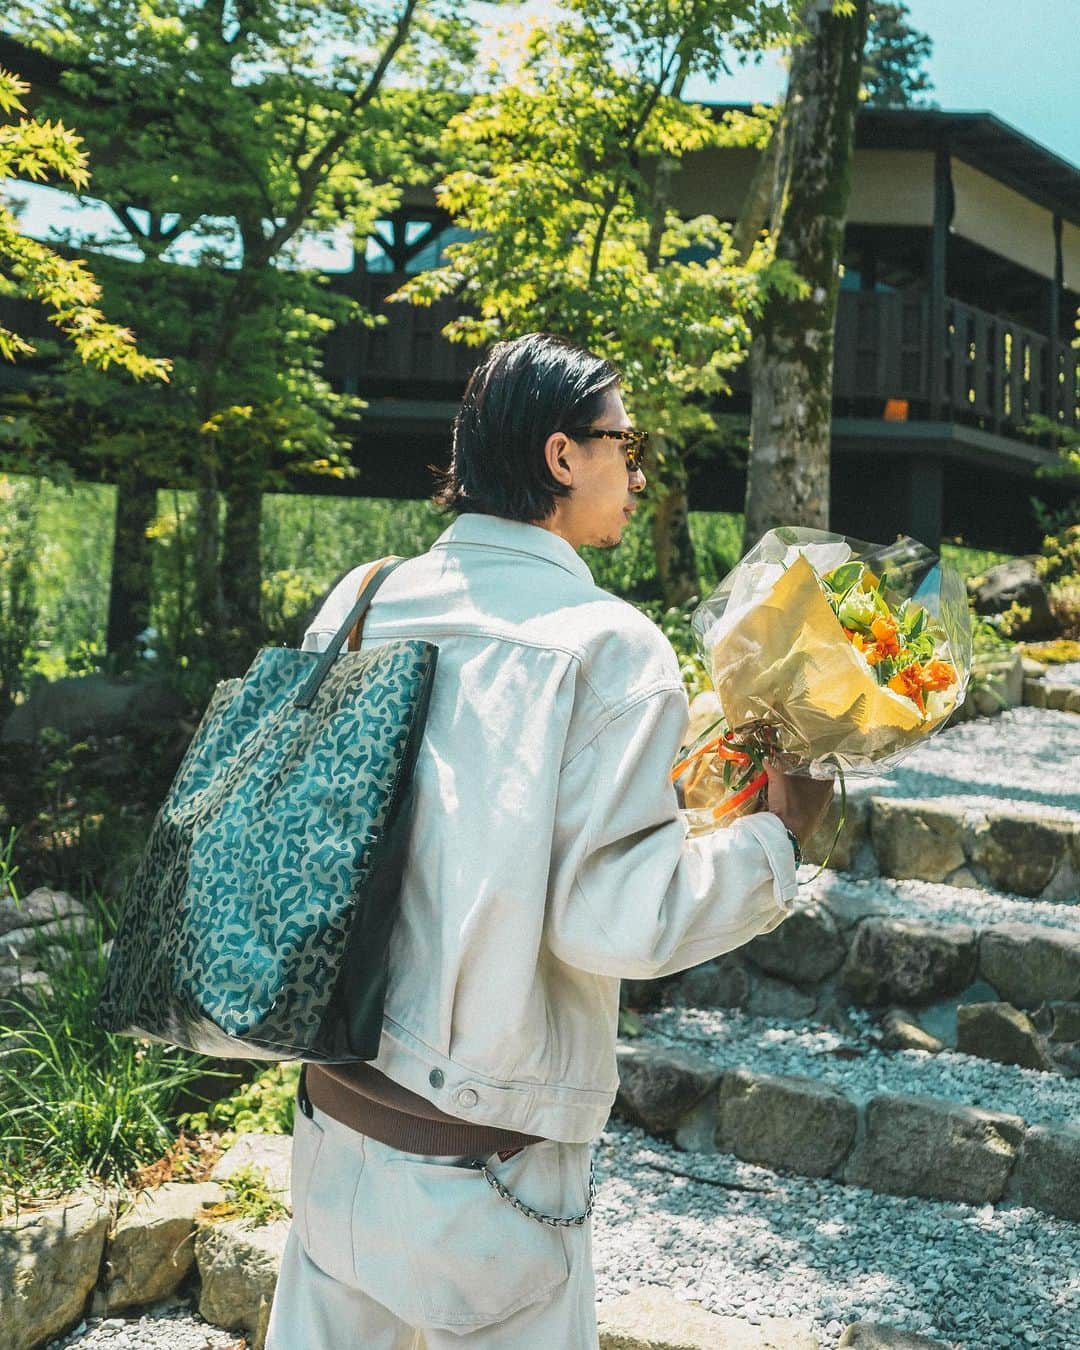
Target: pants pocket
[(474, 1259)]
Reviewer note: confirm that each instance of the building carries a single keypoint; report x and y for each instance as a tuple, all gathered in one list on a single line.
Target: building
[(960, 290)]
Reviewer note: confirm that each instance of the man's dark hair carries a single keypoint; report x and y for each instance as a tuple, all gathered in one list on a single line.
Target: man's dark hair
[(519, 394)]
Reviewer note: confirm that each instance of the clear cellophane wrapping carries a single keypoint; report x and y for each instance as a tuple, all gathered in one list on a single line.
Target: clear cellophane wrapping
[(790, 680)]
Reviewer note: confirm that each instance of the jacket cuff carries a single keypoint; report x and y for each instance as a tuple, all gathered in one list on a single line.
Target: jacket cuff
[(771, 834)]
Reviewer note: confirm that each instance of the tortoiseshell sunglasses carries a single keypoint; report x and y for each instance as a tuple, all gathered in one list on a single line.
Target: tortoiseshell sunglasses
[(636, 442)]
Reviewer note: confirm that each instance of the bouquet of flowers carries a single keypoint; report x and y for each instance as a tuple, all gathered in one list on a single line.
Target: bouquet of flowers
[(828, 655)]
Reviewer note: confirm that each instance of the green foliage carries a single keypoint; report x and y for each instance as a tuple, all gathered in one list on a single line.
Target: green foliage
[(76, 1102), (971, 563), (34, 149), (250, 1200), (563, 178), (248, 132), (894, 74), (263, 1106)]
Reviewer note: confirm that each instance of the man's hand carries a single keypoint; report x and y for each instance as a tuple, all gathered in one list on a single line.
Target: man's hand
[(801, 803)]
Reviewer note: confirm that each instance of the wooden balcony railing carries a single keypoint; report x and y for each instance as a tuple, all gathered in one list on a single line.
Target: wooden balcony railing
[(995, 373)]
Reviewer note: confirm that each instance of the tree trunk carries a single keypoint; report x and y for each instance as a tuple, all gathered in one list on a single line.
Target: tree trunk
[(209, 600), (791, 357), (241, 567), (130, 584), (676, 563)]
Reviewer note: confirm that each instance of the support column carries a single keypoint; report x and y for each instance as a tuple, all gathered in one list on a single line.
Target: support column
[(926, 500), (938, 247), (1054, 327)]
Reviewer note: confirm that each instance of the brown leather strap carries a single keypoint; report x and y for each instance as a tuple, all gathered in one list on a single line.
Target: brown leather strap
[(356, 632)]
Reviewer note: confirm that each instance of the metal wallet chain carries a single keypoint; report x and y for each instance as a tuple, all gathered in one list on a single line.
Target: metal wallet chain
[(530, 1213)]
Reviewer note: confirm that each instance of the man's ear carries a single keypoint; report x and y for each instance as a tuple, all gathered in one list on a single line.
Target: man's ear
[(558, 454)]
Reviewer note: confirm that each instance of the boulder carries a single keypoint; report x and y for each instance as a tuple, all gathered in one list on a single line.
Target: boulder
[(901, 1031), (805, 948), (49, 1263), (238, 1267), (1003, 1033), (1034, 693), (1059, 697), (18, 940), (872, 1336), (785, 1121), (652, 1318), (723, 983), (1020, 854), (41, 906), (851, 851), (1015, 583), (916, 839), (1029, 965), (270, 1154), (658, 1086), (1064, 1021), (101, 704), (23, 977), (774, 998), (153, 1245), (905, 961), (1047, 1173), (997, 683), (936, 1149)]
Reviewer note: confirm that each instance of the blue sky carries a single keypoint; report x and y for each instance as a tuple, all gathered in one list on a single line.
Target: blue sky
[(1019, 59), (986, 58)]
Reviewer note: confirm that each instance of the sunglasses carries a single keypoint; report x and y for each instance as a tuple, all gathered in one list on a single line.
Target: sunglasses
[(635, 442)]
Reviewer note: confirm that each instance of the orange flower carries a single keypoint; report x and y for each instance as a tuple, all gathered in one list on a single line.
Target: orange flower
[(938, 675), (885, 631), (909, 682)]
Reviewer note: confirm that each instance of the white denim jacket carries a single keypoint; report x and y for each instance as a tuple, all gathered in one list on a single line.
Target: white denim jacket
[(548, 854)]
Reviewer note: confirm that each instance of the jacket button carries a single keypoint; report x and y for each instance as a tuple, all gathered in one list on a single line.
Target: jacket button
[(467, 1097), (435, 1078)]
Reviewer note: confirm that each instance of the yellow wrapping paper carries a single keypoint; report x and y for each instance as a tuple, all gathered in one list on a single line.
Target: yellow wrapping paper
[(788, 663)]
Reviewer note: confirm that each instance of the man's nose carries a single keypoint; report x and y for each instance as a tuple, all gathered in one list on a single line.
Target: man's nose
[(638, 480)]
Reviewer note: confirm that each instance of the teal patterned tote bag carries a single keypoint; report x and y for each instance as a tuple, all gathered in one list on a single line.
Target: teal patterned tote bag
[(259, 919)]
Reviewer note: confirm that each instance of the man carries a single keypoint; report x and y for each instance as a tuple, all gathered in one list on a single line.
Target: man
[(548, 858)]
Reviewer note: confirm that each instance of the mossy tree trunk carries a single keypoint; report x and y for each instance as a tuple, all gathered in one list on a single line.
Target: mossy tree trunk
[(791, 357)]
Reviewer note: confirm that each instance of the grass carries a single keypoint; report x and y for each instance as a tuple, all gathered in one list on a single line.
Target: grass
[(78, 1103)]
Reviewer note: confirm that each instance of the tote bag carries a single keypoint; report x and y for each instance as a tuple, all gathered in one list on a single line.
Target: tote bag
[(259, 919)]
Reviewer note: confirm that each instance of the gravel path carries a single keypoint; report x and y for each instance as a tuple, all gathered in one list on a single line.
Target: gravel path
[(860, 1070), (937, 903), (1024, 755), (976, 1278), (172, 1324)]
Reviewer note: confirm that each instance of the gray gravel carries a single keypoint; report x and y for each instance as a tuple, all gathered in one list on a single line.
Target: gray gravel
[(728, 1038), (172, 1324), (1067, 673), (937, 903), (1023, 755), (977, 1278)]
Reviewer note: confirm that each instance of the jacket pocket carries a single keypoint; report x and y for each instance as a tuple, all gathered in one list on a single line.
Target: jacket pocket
[(474, 1259)]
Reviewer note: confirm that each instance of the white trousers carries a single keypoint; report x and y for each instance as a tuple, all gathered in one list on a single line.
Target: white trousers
[(397, 1251)]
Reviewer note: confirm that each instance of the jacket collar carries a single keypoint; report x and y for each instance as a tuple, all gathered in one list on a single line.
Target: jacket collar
[(514, 536)]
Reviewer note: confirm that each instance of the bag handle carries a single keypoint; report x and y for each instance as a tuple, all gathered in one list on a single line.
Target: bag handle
[(350, 628)]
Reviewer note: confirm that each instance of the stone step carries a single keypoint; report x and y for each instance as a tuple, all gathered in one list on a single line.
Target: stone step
[(881, 943), (1019, 848), (826, 1108), (863, 1269)]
